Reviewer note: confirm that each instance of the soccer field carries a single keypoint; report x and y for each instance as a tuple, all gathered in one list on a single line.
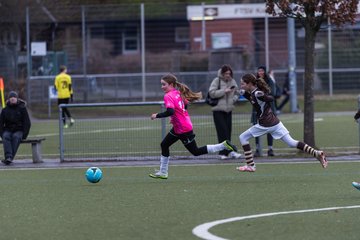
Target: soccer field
[(127, 204)]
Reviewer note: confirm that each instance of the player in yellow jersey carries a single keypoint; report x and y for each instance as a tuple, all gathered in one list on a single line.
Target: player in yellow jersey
[(64, 89)]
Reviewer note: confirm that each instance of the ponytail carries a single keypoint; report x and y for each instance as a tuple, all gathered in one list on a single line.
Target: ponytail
[(185, 91), (262, 85), (258, 82)]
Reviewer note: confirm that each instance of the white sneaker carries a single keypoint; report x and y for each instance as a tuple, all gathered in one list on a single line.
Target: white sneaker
[(72, 121), (322, 159), (224, 157), (246, 168), (234, 155), (159, 175)]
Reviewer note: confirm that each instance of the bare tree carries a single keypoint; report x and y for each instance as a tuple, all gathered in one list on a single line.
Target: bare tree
[(311, 14)]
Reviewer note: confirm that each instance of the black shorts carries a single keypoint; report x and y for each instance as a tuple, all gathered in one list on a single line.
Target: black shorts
[(185, 138), (63, 101)]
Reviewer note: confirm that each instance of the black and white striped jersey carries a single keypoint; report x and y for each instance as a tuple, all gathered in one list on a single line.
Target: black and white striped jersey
[(262, 105)]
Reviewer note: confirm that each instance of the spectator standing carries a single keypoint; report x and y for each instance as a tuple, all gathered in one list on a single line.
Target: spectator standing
[(14, 126), (278, 91), (224, 88), (63, 86), (286, 93), (261, 73)]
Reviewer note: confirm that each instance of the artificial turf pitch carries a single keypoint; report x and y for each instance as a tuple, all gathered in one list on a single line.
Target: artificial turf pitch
[(127, 204)]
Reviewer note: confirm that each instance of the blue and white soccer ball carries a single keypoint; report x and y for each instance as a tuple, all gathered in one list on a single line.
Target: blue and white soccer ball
[(93, 174), (356, 185)]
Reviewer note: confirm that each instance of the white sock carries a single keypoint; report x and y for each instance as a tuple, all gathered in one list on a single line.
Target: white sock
[(215, 147), (164, 164)]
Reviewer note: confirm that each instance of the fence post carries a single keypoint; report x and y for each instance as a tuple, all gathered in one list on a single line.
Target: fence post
[(260, 148), (28, 57), (163, 122), (61, 132)]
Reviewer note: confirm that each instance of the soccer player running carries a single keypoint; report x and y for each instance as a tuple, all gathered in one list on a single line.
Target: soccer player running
[(176, 98), (63, 86), (257, 92)]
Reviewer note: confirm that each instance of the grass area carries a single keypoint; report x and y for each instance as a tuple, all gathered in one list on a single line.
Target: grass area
[(127, 204)]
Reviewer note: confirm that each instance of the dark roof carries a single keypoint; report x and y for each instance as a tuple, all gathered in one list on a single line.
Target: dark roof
[(105, 12), (70, 10)]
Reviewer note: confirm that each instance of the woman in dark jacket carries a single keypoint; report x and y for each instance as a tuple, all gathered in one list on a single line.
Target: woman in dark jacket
[(14, 126), (261, 73)]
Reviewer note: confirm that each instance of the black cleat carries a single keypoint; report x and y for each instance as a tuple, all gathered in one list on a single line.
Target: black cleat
[(271, 153), (229, 146), (7, 161)]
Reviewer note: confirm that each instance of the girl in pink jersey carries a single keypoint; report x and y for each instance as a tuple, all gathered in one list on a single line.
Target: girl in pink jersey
[(257, 92), (177, 96)]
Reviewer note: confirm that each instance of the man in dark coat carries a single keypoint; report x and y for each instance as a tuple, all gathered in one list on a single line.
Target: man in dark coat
[(261, 73), (14, 126)]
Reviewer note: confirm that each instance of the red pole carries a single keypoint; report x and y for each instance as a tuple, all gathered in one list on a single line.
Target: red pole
[(2, 92)]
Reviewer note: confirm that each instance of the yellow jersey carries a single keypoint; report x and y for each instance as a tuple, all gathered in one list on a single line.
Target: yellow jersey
[(63, 85)]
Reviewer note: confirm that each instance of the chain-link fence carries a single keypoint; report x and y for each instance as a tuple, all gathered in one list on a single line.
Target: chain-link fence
[(128, 46)]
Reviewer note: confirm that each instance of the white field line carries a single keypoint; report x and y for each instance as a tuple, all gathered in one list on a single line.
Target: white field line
[(202, 231)]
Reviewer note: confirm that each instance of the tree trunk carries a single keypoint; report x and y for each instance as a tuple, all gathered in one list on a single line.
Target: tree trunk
[(310, 35)]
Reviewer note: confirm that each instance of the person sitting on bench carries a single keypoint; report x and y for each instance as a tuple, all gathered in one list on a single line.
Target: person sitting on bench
[(14, 126)]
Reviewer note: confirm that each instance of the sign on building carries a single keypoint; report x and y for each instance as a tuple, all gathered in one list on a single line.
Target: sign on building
[(227, 11), (221, 40), (38, 49)]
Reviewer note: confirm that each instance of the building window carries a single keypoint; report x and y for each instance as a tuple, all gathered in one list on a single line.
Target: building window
[(130, 41), (181, 34)]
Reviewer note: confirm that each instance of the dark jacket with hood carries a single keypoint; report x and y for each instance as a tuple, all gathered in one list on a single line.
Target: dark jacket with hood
[(14, 117), (272, 86)]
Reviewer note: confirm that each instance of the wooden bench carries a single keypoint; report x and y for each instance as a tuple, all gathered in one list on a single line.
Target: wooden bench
[(35, 147)]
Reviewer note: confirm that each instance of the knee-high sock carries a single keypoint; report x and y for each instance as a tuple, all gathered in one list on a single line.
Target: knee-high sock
[(164, 164), (306, 148), (215, 147), (248, 155)]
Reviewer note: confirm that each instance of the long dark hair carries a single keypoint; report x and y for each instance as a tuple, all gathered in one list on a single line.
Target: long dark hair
[(225, 68), (266, 74), (258, 82), (185, 91)]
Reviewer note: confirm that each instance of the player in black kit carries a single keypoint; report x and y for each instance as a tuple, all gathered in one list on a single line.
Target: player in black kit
[(257, 92)]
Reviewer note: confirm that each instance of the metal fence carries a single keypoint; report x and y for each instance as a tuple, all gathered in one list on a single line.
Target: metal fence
[(128, 87), (128, 46)]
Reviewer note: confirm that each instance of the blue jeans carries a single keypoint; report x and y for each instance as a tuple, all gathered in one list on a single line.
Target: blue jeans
[(11, 142)]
